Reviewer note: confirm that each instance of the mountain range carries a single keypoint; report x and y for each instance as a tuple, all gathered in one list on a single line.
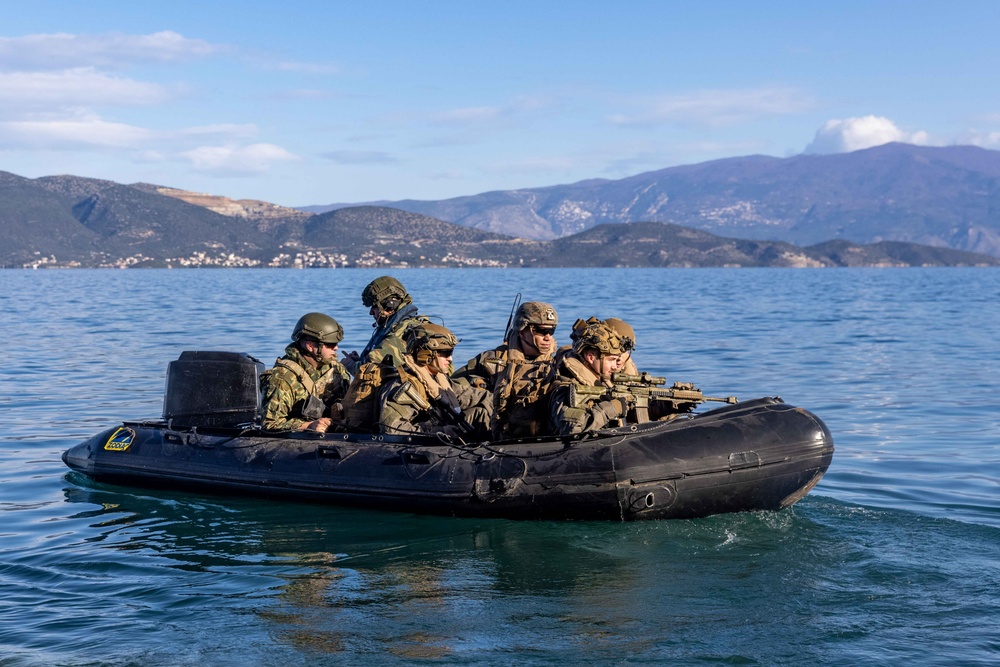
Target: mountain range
[(866, 208), (940, 196)]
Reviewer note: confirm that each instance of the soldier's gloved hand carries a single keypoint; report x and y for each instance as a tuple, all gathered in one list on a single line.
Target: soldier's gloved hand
[(320, 425), (619, 405), (449, 400)]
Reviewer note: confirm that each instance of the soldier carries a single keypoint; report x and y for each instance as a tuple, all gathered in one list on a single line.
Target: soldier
[(532, 336), (420, 398), (393, 311), (304, 388), (597, 353), (518, 372), (625, 330), (621, 327)]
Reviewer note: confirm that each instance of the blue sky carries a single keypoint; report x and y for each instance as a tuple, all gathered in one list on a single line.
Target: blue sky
[(303, 103)]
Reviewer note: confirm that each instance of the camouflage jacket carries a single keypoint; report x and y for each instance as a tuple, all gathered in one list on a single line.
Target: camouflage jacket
[(286, 396), (415, 401), (520, 397), (485, 369), (387, 340), (570, 413)]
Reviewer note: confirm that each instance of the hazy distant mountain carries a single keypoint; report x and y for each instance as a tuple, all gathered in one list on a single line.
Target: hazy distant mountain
[(90, 221), (948, 197), (73, 221), (35, 221), (655, 244)]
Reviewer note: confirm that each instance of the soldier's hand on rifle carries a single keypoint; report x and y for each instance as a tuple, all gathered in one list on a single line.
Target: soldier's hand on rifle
[(622, 404)]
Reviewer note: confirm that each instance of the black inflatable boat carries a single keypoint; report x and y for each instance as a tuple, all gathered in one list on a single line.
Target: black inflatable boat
[(761, 454)]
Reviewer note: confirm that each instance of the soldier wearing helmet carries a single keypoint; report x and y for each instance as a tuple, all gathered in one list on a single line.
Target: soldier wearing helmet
[(625, 330), (392, 308), (597, 353), (621, 327), (304, 388), (420, 398), (531, 336), (517, 372)]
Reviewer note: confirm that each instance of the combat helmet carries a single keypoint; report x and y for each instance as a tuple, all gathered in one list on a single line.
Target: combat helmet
[(580, 325), (623, 329), (535, 312), (426, 339), (319, 327), (603, 338), (387, 292)]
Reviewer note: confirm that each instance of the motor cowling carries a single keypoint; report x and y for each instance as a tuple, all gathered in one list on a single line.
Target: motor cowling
[(212, 390)]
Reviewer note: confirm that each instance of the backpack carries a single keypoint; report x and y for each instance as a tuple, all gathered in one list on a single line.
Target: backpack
[(361, 404)]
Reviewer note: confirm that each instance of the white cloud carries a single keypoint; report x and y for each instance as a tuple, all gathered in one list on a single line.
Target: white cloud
[(237, 160), (84, 86), (71, 134), (76, 130), (93, 135), (716, 107), (983, 139), (110, 50), (853, 134)]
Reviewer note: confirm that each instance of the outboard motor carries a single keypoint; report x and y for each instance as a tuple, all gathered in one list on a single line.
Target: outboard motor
[(212, 390)]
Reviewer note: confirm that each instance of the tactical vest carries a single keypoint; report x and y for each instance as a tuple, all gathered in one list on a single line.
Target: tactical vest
[(362, 399), (320, 387), (319, 392), (520, 400)]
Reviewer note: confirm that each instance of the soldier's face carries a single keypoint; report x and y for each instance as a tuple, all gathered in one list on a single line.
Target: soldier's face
[(543, 339), (320, 351), (442, 361), (328, 352), (603, 365)]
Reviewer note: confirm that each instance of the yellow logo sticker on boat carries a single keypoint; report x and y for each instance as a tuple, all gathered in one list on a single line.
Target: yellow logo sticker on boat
[(120, 440)]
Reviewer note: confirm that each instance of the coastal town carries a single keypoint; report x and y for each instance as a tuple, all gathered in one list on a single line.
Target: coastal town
[(303, 259)]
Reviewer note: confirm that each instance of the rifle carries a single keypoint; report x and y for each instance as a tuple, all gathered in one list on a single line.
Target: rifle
[(642, 389), (447, 403)]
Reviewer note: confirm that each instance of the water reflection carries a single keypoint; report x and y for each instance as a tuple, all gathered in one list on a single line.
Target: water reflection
[(329, 580)]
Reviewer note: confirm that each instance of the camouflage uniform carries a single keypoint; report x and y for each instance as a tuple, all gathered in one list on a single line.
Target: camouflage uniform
[(520, 399), (518, 376), (417, 397), (413, 400), (571, 413), (286, 395), (387, 340), (389, 295)]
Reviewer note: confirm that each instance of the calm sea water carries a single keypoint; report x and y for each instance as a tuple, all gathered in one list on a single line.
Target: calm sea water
[(894, 559)]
